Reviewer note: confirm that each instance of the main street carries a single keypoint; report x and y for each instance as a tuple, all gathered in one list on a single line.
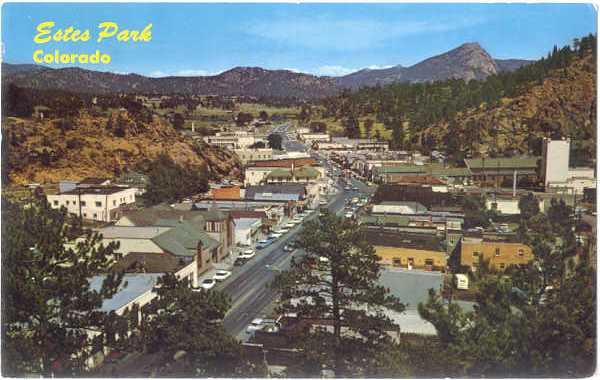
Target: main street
[(248, 286)]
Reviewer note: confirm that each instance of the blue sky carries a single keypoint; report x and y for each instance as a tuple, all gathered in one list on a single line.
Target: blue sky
[(324, 39)]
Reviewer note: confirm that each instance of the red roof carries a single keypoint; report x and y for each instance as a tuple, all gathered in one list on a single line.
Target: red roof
[(226, 193)]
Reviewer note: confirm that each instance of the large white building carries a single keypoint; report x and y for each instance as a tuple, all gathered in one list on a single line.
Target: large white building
[(557, 175), (555, 160), (94, 203), (233, 140)]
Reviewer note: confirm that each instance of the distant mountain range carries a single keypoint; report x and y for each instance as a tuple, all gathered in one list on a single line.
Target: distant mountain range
[(468, 61)]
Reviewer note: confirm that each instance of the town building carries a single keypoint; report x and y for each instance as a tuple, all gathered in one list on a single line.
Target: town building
[(102, 203), (408, 250), (500, 251), (310, 138), (502, 170), (234, 140), (249, 154)]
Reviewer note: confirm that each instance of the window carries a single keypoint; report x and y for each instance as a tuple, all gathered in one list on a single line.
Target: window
[(55, 203), (95, 216), (497, 251), (397, 262), (67, 203), (475, 254), (429, 262), (114, 202), (521, 252), (85, 215), (98, 204), (83, 203), (501, 265)]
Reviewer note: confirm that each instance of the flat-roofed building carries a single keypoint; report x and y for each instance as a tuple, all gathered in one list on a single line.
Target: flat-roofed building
[(102, 203), (408, 250), (499, 250)]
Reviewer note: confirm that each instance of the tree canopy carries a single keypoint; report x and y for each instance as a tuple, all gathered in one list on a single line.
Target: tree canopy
[(50, 317), (336, 281)]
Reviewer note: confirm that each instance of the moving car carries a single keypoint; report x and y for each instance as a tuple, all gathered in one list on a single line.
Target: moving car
[(208, 284), (222, 275)]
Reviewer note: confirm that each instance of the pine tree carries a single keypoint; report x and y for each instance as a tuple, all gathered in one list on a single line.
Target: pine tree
[(180, 320), (337, 281), (48, 307)]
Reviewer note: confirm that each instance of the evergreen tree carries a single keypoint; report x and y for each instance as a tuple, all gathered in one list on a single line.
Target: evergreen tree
[(49, 312), (180, 320), (171, 182), (337, 281)]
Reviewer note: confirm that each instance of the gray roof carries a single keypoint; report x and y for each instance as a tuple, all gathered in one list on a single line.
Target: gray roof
[(410, 287), (151, 215), (296, 190), (132, 286)]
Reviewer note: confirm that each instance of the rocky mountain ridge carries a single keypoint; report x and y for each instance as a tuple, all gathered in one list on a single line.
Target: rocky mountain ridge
[(468, 61)]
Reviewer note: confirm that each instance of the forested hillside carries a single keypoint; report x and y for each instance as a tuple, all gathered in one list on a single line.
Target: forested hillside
[(555, 96), (74, 136)]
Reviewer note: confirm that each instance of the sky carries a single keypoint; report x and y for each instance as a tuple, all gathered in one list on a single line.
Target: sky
[(321, 39)]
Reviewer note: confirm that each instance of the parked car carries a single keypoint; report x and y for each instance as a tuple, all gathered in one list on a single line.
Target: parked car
[(290, 224), (274, 235), (264, 243), (288, 248), (256, 324), (208, 284), (247, 254), (222, 275)]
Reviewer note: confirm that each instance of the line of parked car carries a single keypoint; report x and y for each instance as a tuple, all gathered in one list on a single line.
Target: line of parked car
[(209, 283)]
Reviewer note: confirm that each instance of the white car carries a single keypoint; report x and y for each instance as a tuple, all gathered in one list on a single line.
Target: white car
[(275, 235), (283, 231), (290, 224), (256, 324), (222, 275), (208, 284), (247, 254), (349, 215)]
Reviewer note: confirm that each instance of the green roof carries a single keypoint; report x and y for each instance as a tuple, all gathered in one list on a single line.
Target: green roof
[(382, 220), (434, 170), (183, 240), (440, 171), (302, 172), (402, 169), (502, 163)]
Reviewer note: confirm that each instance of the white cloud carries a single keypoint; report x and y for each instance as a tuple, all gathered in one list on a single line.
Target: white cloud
[(184, 73), (333, 70), (377, 67), (328, 32), (192, 73), (158, 74)]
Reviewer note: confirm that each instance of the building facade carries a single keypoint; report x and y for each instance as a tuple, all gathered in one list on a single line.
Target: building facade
[(101, 204)]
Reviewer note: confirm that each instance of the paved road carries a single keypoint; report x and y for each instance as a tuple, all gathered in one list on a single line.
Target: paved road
[(248, 286)]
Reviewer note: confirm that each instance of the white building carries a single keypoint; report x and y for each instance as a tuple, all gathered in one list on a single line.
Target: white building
[(94, 203), (233, 140), (247, 154), (247, 230), (555, 160), (309, 138)]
